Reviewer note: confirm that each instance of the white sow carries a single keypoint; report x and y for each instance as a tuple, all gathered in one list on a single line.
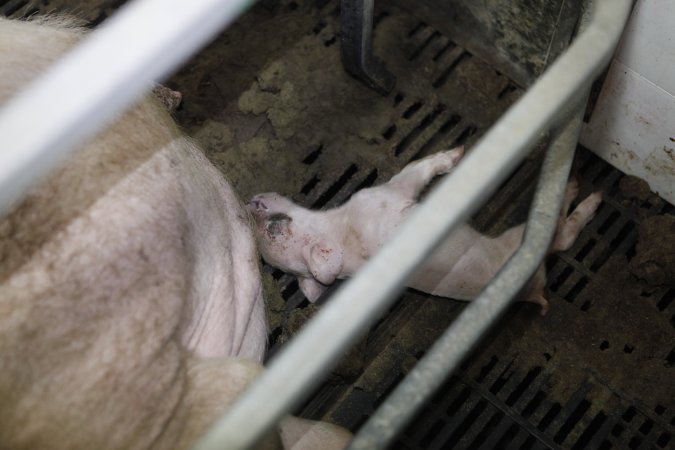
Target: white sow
[(131, 306)]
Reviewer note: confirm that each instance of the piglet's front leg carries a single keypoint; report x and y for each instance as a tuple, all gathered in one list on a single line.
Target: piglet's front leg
[(418, 174), (567, 232), (569, 226), (324, 261), (311, 288)]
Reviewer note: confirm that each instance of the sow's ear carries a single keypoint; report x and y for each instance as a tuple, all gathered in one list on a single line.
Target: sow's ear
[(324, 260)]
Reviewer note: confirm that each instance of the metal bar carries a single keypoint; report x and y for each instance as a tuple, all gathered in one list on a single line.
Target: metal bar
[(356, 46), (144, 41), (298, 368), (455, 344), (449, 350)]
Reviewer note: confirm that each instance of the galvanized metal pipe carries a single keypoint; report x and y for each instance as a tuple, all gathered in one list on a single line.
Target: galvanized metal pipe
[(144, 41), (298, 368), (448, 351), (455, 344)]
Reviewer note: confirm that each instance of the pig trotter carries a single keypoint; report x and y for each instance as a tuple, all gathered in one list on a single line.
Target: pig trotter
[(539, 299), (311, 288), (170, 99), (569, 227), (416, 175)]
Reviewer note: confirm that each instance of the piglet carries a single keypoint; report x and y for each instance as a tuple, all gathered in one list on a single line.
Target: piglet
[(322, 246)]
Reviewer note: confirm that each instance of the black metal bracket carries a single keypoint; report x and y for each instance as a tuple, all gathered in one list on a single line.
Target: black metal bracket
[(356, 23)]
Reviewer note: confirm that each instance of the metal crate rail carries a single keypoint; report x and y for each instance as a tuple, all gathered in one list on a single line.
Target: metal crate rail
[(144, 42)]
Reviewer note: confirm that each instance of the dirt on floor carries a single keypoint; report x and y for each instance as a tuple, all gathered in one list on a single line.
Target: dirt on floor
[(654, 261)]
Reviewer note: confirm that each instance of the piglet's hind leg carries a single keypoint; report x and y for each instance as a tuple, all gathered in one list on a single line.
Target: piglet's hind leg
[(539, 299), (570, 227), (415, 176), (571, 192)]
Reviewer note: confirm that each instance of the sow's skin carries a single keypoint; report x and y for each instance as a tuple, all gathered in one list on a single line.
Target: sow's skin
[(320, 246), (131, 307)]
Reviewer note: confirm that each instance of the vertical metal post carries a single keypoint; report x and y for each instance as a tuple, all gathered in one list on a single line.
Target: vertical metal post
[(356, 30)]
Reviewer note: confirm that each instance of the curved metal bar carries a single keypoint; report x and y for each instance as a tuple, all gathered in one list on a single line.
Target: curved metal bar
[(298, 368), (456, 342), (144, 41), (356, 46), (465, 332)]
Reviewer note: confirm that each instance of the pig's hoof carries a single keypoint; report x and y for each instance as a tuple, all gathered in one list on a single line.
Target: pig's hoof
[(451, 158), (456, 153), (170, 99), (594, 200), (540, 300), (585, 211)]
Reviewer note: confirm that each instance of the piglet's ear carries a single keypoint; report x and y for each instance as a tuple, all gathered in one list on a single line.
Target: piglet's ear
[(324, 261)]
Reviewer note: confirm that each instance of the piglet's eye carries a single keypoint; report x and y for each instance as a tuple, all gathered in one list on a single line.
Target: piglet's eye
[(277, 224)]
